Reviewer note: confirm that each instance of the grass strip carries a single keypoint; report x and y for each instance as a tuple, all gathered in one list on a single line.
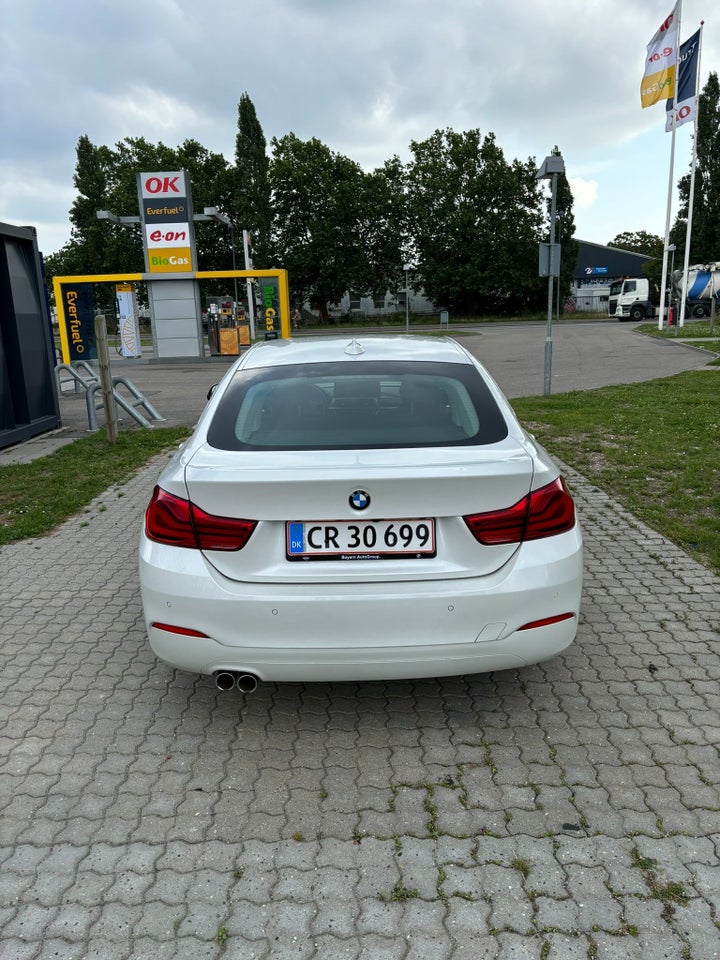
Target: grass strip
[(36, 497), (653, 446), (692, 330)]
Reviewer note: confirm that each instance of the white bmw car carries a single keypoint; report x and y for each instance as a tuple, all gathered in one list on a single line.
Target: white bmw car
[(359, 509)]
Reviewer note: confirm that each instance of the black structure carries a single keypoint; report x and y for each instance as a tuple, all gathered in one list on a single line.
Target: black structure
[(28, 397)]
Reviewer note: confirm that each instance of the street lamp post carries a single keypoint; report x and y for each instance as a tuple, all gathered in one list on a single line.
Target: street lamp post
[(550, 168), (406, 268)]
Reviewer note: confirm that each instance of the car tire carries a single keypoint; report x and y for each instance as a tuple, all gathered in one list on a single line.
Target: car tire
[(698, 311), (637, 314)]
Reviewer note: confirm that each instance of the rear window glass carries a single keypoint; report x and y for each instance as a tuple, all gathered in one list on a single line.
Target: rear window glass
[(346, 406)]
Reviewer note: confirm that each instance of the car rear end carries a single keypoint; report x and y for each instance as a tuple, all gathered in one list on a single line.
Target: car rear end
[(366, 516)]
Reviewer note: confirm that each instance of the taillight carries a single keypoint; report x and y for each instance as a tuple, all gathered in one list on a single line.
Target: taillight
[(542, 513), (167, 520), (179, 523), (552, 511), (220, 533)]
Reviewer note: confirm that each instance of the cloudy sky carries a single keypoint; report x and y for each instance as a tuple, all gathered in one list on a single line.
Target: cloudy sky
[(366, 77)]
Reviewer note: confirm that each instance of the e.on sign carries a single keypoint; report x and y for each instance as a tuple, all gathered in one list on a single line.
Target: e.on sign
[(161, 184)]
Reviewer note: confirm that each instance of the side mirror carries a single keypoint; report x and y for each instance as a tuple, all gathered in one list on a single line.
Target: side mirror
[(212, 390)]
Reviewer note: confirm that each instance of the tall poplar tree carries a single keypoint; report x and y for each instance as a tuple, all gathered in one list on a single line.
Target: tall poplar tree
[(249, 195)]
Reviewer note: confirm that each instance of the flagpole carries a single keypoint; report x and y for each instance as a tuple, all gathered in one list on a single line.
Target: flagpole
[(668, 212), (691, 198)]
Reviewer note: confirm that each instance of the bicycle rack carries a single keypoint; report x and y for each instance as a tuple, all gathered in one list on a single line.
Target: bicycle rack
[(79, 382), (90, 384), (129, 406)]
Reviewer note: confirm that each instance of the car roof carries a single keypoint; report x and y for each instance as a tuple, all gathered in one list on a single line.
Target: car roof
[(356, 347)]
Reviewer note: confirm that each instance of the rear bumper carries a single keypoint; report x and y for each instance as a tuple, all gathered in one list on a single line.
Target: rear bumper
[(362, 631)]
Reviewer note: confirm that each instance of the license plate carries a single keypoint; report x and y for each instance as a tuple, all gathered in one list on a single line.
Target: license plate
[(360, 540)]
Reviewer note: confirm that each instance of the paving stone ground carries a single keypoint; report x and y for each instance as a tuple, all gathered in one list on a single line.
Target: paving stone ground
[(568, 810)]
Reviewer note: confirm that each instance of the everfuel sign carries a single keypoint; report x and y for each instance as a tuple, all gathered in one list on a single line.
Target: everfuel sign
[(79, 310), (270, 295), (166, 213)]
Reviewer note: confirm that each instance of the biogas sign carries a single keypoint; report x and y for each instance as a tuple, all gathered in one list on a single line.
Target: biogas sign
[(166, 213)]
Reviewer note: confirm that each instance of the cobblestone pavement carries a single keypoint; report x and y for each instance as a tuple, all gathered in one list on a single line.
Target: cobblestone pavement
[(568, 810)]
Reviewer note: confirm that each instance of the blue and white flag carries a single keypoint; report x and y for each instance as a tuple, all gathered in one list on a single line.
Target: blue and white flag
[(687, 86)]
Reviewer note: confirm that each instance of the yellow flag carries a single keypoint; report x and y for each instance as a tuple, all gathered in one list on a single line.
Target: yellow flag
[(658, 82)]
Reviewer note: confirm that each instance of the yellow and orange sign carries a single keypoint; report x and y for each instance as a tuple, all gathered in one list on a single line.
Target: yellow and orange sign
[(169, 259)]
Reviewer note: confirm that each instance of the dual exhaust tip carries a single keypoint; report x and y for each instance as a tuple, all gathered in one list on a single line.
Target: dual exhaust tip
[(227, 679)]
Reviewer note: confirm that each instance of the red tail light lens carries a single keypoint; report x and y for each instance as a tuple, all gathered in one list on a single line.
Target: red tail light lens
[(167, 520), (179, 523), (220, 533), (543, 513)]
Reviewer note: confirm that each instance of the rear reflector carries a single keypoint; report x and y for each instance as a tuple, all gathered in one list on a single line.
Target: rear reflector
[(542, 513), (183, 631), (546, 621), (179, 523)]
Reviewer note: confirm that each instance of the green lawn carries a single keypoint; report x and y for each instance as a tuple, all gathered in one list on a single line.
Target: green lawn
[(36, 497), (653, 446)]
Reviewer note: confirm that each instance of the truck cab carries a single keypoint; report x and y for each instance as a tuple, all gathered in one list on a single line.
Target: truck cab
[(631, 299)]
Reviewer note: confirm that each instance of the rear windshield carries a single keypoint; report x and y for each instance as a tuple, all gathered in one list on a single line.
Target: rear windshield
[(353, 406)]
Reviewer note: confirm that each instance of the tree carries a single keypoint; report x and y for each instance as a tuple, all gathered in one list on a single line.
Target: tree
[(207, 173), (90, 247), (382, 230), (705, 237), (249, 201), (334, 226), (106, 179), (639, 241), (475, 223), (650, 245)]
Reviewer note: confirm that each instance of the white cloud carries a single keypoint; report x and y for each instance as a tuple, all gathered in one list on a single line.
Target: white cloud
[(144, 110), (585, 192)]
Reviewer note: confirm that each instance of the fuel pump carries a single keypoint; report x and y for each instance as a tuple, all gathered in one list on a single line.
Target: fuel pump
[(227, 326)]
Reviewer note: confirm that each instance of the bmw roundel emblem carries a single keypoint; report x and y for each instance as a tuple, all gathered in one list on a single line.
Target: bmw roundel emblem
[(359, 500)]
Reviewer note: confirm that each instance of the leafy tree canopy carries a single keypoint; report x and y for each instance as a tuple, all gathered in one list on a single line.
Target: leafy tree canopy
[(475, 222), (638, 241), (334, 226), (467, 219)]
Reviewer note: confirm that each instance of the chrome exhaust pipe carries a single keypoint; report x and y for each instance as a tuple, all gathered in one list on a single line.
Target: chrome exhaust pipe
[(224, 680), (246, 682), (227, 679)]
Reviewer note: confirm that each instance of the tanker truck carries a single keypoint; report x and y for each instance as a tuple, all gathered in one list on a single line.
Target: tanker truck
[(703, 285), (638, 298)]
